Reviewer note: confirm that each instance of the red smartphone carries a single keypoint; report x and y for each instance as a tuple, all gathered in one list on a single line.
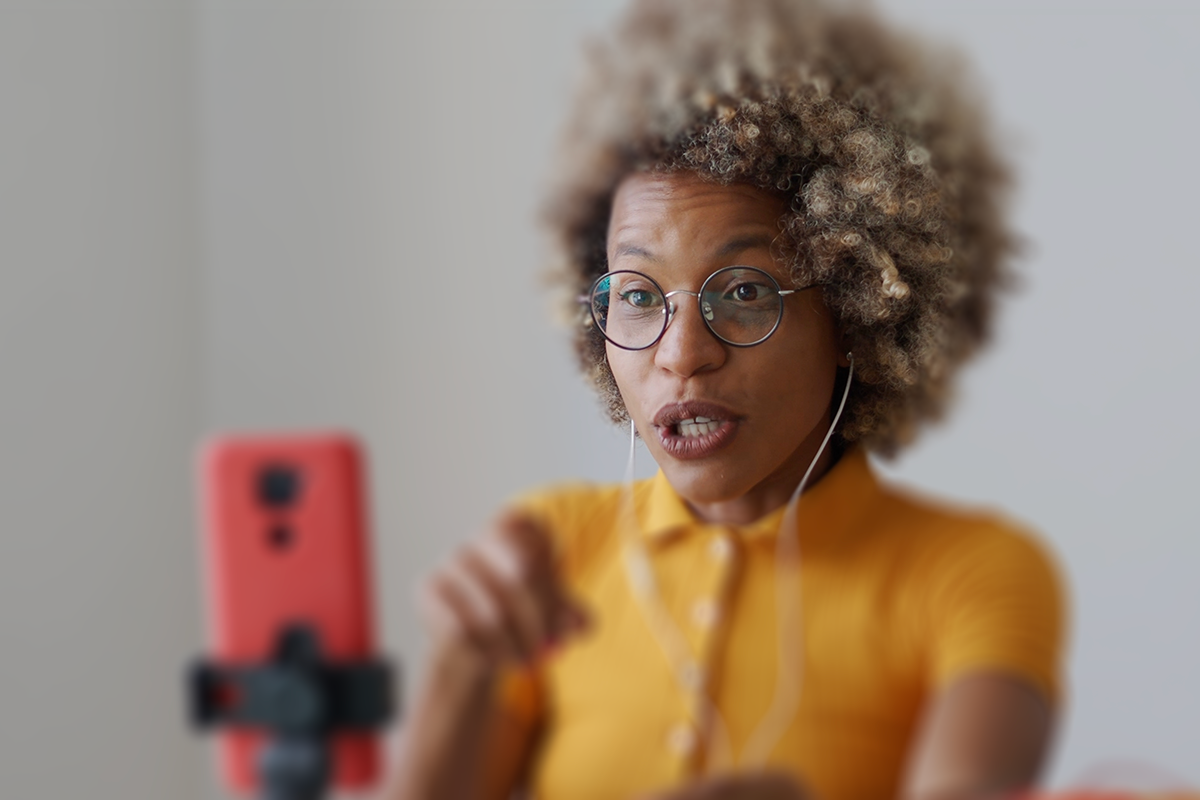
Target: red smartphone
[(285, 543)]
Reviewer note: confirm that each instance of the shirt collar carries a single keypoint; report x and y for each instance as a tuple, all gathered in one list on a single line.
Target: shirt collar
[(827, 509)]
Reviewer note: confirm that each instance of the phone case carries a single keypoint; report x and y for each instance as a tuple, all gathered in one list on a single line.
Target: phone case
[(285, 540)]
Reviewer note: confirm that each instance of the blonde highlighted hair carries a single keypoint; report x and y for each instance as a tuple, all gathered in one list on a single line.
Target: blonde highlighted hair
[(896, 188)]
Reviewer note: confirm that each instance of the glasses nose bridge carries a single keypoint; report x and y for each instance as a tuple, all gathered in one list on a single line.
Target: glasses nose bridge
[(671, 306)]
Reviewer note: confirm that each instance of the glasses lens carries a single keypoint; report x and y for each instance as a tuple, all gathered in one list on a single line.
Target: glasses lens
[(629, 308), (741, 304)]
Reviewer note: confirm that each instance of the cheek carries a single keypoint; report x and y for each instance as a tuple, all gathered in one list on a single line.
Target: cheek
[(795, 387)]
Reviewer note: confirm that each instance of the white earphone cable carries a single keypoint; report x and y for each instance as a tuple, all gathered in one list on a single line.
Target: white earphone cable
[(789, 679), (788, 613)]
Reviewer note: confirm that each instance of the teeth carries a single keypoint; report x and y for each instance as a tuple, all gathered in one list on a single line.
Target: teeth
[(697, 426)]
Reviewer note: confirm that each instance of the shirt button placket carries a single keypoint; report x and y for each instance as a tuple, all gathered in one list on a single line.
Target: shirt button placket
[(692, 677), (704, 617), (682, 740), (721, 549), (706, 613)]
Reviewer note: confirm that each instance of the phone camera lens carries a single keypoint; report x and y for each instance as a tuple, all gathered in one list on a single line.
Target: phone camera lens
[(280, 537), (278, 485)]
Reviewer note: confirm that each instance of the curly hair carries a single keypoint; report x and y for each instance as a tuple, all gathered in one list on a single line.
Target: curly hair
[(896, 190)]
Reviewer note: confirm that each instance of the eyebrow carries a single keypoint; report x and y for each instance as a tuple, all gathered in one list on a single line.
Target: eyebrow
[(746, 243), (730, 248), (634, 250)]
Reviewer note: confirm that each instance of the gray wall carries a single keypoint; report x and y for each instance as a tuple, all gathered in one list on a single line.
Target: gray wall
[(225, 215), (100, 399), (1077, 420)]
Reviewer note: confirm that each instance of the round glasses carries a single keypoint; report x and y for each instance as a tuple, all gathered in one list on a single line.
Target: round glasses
[(742, 306)]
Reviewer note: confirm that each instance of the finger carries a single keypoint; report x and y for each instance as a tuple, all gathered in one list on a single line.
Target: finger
[(527, 539), (524, 622), (505, 550), (466, 613), (523, 551), (491, 619), (441, 609)]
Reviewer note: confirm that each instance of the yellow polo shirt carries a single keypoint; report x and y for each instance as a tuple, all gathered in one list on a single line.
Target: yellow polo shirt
[(898, 596)]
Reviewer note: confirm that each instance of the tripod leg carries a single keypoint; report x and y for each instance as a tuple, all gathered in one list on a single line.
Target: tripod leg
[(294, 769)]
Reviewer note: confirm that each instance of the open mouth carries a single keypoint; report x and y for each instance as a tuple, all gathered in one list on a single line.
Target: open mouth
[(694, 430), (696, 426)]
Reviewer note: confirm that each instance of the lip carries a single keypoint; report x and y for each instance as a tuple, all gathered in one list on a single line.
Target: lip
[(694, 447)]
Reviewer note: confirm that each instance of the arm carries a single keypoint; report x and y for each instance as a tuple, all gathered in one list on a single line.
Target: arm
[(496, 605), (457, 742), (994, 599), (994, 617), (984, 735)]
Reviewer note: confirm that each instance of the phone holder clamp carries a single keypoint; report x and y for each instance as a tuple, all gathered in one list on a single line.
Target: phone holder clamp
[(299, 699)]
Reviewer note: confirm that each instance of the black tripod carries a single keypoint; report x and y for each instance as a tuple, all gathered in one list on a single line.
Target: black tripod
[(300, 700)]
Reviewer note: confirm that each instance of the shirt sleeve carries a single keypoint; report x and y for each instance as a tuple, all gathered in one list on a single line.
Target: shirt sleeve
[(519, 695), (997, 604)]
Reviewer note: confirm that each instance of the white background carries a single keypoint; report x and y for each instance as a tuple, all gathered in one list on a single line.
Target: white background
[(218, 214)]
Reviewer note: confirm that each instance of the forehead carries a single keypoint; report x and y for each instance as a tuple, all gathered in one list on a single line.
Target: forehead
[(667, 211)]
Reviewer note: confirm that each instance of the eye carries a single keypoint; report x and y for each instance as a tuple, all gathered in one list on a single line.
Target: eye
[(749, 292), (640, 298)]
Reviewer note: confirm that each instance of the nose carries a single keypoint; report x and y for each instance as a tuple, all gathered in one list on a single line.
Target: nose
[(687, 346)]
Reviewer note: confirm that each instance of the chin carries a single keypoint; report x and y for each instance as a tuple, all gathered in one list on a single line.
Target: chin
[(706, 484)]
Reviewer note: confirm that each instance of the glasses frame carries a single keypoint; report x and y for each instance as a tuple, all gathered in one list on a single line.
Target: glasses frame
[(669, 307)]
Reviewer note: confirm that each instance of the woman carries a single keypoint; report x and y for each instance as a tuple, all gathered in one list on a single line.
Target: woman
[(780, 229)]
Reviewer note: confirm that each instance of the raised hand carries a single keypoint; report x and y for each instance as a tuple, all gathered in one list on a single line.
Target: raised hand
[(499, 599)]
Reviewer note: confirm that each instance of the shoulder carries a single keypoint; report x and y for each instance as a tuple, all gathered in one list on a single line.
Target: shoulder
[(987, 587), (947, 533)]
